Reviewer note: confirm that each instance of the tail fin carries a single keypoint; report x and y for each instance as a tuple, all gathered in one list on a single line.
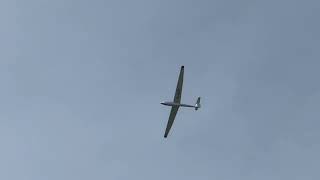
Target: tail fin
[(197, 105)]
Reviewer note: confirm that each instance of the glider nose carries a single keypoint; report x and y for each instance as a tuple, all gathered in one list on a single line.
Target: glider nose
[(163, 103)]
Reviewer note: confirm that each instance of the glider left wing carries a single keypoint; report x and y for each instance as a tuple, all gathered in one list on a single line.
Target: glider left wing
[(177, 95)]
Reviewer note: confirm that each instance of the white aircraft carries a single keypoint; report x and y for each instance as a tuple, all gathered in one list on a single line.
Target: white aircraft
[(176, 103)]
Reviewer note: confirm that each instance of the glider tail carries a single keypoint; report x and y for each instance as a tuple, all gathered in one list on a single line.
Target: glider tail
[(197, 105)]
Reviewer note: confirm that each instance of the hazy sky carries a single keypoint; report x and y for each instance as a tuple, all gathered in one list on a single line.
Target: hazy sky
[(82, 81)]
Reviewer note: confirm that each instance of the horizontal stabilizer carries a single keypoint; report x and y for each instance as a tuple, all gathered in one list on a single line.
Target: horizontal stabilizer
[(197, 105)]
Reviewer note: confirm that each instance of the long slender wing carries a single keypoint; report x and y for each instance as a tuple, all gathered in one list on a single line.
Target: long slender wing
[(172, 116), (177, 96), (177, 99)]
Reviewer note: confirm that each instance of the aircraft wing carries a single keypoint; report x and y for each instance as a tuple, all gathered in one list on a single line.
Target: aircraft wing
[(177, 99), (172, 116), (177, 96)]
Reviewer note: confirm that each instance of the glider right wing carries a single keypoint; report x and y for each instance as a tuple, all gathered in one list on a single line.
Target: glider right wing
[(172, 116)]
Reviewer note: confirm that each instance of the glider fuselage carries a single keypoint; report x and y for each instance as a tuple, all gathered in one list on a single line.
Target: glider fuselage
[(166, 103)]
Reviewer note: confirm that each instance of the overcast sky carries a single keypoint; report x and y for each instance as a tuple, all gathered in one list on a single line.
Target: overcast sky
[(82, 81)]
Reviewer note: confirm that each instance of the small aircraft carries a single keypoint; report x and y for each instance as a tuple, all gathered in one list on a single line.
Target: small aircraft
[(176, 103)]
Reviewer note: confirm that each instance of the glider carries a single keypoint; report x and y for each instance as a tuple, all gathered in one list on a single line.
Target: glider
[(175, 105)]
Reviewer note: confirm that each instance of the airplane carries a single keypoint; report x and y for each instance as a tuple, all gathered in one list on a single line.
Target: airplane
[(175, 105)]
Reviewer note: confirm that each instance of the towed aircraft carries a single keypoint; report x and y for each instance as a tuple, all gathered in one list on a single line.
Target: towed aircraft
[(175, 104)]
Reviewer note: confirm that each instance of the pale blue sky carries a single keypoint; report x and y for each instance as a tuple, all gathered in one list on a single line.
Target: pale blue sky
[(81, 82)]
